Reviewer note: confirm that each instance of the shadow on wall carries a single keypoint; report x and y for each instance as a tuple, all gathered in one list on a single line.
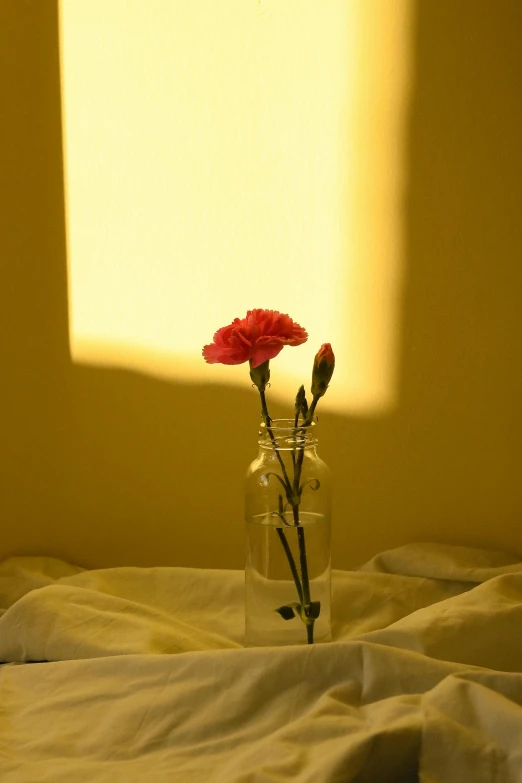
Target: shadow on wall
[(106, 467)]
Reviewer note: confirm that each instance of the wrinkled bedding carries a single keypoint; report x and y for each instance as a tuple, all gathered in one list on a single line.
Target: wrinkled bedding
[(132, 674)]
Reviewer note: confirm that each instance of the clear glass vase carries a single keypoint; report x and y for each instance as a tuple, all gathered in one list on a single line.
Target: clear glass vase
[(288, 512)]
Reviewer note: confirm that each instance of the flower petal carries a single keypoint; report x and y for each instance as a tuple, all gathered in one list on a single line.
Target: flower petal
[(263, 351), (259, 336)]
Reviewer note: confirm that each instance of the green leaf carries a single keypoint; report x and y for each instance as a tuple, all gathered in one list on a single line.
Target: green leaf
[(313, 483), (314, 610), (267, 476), (288, 612)]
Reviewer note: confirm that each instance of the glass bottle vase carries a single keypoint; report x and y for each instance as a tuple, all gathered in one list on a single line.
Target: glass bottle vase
[(288, 513)]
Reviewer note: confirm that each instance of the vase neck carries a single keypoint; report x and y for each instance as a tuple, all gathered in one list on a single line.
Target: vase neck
[(283, 435)]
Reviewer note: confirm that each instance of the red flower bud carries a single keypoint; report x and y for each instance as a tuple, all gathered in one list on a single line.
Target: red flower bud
[(324, 364)]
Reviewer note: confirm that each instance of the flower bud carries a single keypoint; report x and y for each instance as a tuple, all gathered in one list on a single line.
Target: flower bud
[(260, 375), (301, 406), (324, 364)]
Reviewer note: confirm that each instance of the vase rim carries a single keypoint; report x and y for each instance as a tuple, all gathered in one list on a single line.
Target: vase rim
[(286, 436), (289, 424)]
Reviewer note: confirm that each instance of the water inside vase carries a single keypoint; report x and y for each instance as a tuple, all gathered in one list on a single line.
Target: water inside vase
[(269, 583)]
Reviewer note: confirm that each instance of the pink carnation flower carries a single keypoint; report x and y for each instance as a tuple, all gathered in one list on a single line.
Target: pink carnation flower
[(260, 337)]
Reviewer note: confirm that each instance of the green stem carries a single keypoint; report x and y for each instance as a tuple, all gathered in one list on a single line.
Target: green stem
[(268, 422), (303, 585), (288, 551), (295, 434), (304, 565), (306, 423), (291, 563), (303, 562), (310, 632), (300, 530)]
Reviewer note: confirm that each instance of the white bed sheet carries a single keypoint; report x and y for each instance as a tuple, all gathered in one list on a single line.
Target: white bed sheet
[(422, 682)]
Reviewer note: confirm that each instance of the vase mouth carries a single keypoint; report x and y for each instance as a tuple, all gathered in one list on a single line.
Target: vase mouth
[(284, 435)]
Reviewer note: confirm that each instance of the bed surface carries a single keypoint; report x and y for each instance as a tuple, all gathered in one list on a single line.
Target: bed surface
[(131, 674)]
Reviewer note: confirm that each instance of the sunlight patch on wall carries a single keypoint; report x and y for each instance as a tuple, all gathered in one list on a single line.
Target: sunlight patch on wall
[(232, 155)]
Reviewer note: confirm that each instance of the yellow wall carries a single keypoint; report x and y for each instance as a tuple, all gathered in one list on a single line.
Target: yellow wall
[(208, 148), (107, 466)]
